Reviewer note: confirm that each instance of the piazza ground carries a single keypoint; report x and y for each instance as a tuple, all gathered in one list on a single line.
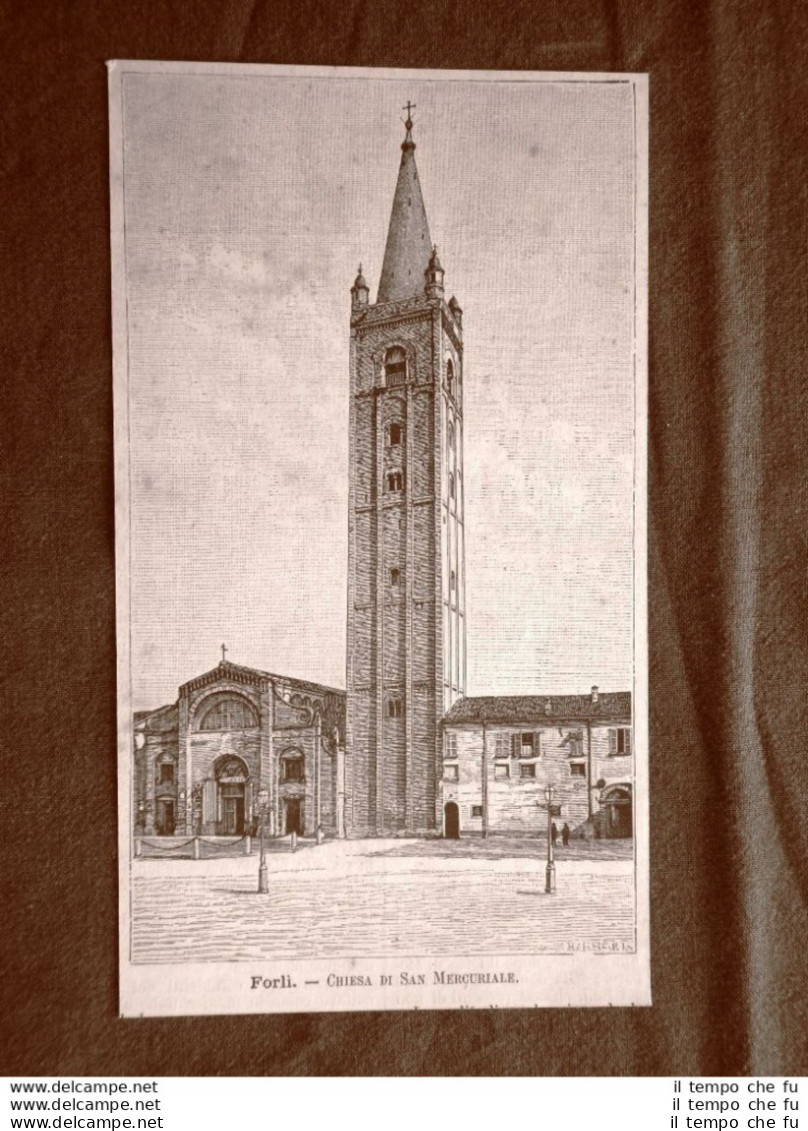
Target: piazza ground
[(385, 898)]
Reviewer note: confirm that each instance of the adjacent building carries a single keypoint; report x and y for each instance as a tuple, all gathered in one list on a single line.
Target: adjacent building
[(500, 753)]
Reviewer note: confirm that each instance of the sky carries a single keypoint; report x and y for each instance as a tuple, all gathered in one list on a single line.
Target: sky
[(249, 202)]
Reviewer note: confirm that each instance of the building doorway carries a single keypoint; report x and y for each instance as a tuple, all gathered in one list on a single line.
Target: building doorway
[(232, 810), (619, 813), (294, 815), (451, 821), (164, 824)]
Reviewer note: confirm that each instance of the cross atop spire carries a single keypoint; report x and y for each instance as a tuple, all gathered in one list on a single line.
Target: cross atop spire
[(406, 255), (408, 143)]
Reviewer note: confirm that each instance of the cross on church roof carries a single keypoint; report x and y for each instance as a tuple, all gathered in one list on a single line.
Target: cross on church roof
[(224, 653)]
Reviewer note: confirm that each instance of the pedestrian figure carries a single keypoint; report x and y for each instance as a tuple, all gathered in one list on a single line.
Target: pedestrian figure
[(565, 834), (554, 833)]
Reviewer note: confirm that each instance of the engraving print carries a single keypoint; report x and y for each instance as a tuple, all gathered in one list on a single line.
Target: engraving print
[(380, 412)]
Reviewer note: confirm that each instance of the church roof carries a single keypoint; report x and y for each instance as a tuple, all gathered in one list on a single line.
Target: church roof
[(161, 720), (225, 669), (408, 248), (610, 706)]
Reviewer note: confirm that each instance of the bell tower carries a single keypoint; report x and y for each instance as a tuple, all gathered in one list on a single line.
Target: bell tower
[(406, 563)]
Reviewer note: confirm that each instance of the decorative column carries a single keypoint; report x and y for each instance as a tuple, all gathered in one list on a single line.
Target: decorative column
[(148, 762)]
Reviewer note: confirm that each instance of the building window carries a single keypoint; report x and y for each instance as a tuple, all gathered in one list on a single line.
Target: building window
[(292, 769), (394, 434), (451, 746), (395, 577), (501, 746), (501, 771), (166, 773), (395, 481), (450, 773), (451, 486), (450, 377), (450, 435), (526, 744), (476, 810), (229, 714), (620, 742), (395, 707), (578, 769), (527, 770), (395, 366), (453, 581)]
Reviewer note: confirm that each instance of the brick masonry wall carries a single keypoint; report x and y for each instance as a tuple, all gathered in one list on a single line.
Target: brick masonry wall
[(410, 542)]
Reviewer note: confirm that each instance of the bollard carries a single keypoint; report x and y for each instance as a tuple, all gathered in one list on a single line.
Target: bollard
[(247, 849), (138, 846), (294, 841), (320, 835), (196, 848)]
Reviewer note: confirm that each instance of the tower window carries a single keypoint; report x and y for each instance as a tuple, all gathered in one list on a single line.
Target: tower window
[(395, 707), (450, 376), (395, 434), (450, 435), (395, 366), (451, 486), (395, 577), (395, 481), (453, 581)]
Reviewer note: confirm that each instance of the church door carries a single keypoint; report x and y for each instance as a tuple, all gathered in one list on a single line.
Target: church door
[(294, 816), (165, 818), (451, 821), (233, 812)]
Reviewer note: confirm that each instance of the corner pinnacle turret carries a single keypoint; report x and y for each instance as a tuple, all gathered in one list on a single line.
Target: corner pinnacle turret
[(409, 247)]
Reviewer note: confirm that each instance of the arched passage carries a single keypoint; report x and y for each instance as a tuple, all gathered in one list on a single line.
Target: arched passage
[(616, 802), (451, 820)]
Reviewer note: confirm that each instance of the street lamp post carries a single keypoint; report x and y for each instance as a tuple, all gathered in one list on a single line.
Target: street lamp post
[(550, 879), (263, 879)]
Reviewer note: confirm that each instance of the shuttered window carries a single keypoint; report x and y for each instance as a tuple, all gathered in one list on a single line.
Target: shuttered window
[(619, 742)]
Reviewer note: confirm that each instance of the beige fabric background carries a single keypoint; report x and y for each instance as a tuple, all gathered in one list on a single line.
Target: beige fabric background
[(727, 519)]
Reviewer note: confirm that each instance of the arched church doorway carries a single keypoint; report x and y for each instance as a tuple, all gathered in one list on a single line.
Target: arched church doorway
[(232, 796), (451, 821), (619, 813)]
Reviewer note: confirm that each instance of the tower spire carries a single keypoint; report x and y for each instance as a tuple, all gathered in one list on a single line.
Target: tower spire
[(409, 246)]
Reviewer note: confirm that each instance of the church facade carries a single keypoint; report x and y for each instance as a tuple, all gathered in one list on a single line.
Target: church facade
[(239, 746), (403, 751)]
